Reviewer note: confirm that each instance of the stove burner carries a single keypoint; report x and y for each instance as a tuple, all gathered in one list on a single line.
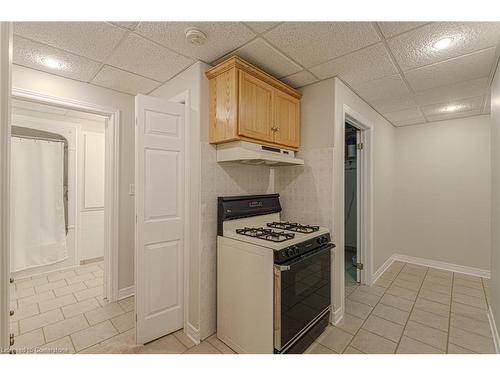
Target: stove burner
[(294, 227), (266, 234)]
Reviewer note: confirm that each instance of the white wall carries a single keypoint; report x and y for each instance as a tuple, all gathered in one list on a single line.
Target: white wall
[(48, 84), (495, 190), (442, 191)]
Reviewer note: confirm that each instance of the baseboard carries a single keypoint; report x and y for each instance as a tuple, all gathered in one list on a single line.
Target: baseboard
[(337, 315), (380, 271), (192, 332), (126, 292), (91, 260), (473, 271), (494, 331)]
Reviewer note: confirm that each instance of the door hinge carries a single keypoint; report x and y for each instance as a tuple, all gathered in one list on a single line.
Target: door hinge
[(359, 266), (361, 146)]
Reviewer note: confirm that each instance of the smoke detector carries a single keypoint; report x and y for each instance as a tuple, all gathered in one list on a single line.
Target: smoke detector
[(195, 36)]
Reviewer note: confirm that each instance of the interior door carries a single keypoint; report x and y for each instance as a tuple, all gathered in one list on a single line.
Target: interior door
[(286, 119), (159, 201), (359, 202), (255, 108)]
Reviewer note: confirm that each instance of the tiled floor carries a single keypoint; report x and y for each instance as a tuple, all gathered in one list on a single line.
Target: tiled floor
[(412, 309)]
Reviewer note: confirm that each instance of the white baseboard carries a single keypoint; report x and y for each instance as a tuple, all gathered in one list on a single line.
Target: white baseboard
[(382, 269), (126, 292), (192, 332), (473, 271), (494, 331), (337, 315)]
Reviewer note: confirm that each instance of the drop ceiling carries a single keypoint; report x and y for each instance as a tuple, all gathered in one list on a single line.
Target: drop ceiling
[(394, 66)]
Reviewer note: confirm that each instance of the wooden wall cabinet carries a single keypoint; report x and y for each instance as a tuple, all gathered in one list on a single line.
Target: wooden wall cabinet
[(248, 104)]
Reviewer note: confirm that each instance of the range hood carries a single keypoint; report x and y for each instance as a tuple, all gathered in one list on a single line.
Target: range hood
[(255, 154)]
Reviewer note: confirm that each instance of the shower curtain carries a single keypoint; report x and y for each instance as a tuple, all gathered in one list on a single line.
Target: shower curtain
[(38, 233)]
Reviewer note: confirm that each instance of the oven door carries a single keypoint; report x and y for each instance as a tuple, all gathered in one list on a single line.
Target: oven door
[(301, 294)]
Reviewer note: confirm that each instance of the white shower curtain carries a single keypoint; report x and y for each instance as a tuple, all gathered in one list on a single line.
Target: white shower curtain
[(38, 232)]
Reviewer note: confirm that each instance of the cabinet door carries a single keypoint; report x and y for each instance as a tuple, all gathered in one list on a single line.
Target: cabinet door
[(255, 108), (286, 120)]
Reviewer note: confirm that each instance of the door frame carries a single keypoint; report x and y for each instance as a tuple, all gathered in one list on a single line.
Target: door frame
[(111, 193), (366, 201)]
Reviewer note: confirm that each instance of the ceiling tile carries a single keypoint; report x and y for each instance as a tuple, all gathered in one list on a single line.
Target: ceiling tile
[(460, 90), (222, 37), (123, 81), (386, 88), (300, 79), (415, 121), (416, 48), (94, 40), (465, 107), (463, 68), (260, 27), (394, 104), (127, 25), (143, 57), (390, 29), (266, 57), (312, 43), (31, 54), (411, 114), (364, 65)]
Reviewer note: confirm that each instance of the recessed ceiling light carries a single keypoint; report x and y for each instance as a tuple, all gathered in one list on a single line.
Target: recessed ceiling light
[(442, 43), (53, 63)]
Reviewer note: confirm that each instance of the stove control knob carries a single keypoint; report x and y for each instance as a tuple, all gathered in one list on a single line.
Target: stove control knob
[(290, 252)]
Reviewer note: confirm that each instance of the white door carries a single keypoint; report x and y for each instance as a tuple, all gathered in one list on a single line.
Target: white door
[(159, 201), (359, 197)]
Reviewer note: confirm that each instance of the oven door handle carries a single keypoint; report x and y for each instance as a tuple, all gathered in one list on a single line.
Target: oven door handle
[(287, 267), (281, 268)]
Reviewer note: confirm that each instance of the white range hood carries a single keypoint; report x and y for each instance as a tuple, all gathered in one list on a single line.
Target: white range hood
[(255, 154)]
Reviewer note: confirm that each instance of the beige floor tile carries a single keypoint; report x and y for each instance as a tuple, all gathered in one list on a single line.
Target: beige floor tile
[(93, 335), (335, 339), (79, 278), (50, 286), (397, 302), (61, 275), (444, 299), (65, 327), (350, 323), (203, 348), (352, 350), (125, 338), (436, 288), (124, 343), (402, 292), (468, 283), (384, 328), (470, 311), (479, 303), (469, 324), (391, 313), (104, 313), (371, 343), (167, 345), (410, 278), (82, 270), (429, 319), (463, 276), (471, 341), (35, 299), (317, 348), (383, 282), (22, 293), (55, 303), (440, 273), (88, 293), (32, 339), (455, 349), (409, 346), (40, 320), (427, 335), (124, 322), (94, 282), (127, 304), (69, 289), (219, 345), (433, 307), (80, 307), (359, 310), (407, 284), (61, 346), (366, 298), (99, 274), (468, 291), (27, 283), (438, 280), (24, 312), (184, 339), (378, 291)]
